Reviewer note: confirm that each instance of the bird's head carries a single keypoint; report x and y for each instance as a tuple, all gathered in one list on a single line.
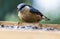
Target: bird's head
[(22, 6)]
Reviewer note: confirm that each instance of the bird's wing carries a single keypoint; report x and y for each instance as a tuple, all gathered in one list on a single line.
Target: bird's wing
[(35, 11)]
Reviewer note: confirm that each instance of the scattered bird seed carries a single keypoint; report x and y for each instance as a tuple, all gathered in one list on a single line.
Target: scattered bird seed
[(26, 27)]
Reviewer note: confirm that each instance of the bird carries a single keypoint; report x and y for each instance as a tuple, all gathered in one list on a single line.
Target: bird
[(29, 14)]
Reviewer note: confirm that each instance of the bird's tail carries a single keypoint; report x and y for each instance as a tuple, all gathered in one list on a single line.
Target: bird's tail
[(45, 18)]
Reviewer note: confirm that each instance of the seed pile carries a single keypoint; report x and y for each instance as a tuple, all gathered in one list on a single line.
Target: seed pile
[(27, 27)]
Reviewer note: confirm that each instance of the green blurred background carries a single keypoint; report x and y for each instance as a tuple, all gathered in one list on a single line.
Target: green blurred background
[(8, 10)]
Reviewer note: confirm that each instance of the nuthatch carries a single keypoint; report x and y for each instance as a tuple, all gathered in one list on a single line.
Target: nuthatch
[(29, 14)]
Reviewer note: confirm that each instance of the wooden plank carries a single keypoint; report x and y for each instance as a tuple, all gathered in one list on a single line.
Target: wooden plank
[(28, 34), (34, 34), (57, 26), (9, 23)]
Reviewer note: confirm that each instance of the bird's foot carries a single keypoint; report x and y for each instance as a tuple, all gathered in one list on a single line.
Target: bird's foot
[(40, 25), (19, 23)]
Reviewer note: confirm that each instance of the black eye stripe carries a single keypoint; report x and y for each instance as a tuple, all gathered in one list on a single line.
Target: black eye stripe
[(22, 7)]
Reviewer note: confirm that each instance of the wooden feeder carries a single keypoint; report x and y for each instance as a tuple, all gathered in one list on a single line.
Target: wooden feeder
[(28, 34)]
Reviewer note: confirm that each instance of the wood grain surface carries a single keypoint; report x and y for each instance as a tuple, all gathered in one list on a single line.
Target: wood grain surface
[(29, 34), (9, 23), (34, 34)]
